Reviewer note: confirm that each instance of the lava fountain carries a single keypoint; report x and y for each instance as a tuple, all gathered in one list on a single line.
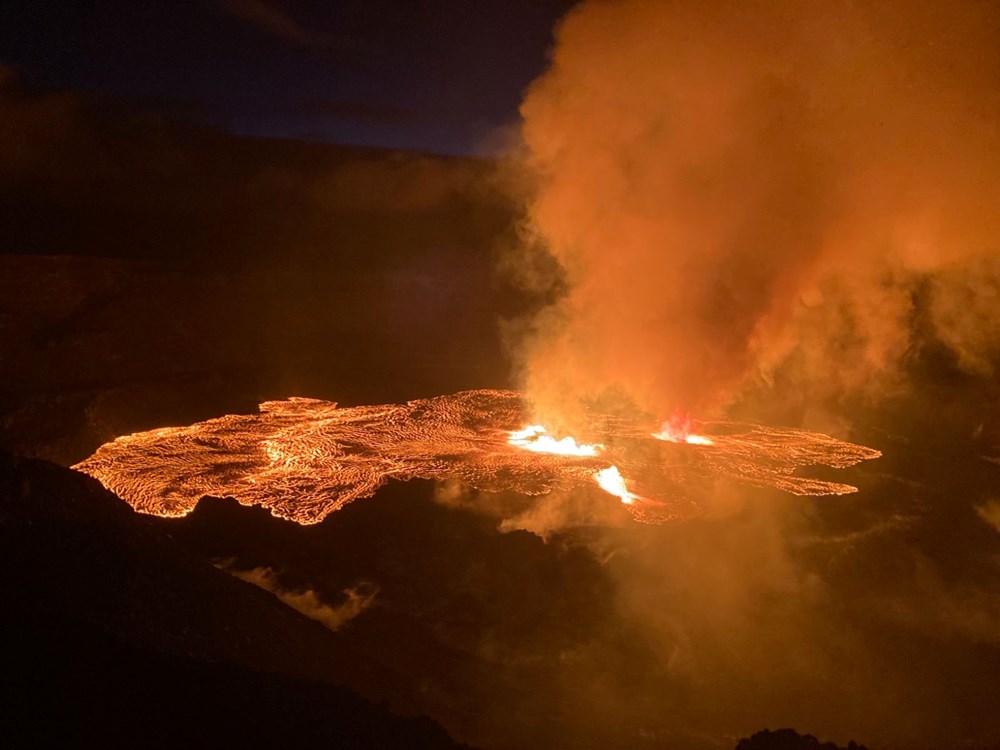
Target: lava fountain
[(303, 458)]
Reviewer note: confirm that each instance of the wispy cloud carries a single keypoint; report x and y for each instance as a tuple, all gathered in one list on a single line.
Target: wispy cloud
[(357, 598), (990, 513), (271, 17)]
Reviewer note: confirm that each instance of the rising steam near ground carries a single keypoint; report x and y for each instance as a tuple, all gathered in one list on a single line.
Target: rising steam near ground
[(356, 599)]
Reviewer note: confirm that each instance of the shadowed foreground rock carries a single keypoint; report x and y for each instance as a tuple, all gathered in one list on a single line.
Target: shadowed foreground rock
[(789, 739), (117, 636)]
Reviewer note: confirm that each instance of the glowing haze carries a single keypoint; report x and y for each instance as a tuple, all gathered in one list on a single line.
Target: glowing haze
[(732, 187), (765, 206)]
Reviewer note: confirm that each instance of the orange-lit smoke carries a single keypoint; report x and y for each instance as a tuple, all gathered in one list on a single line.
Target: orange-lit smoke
[(733, 187)]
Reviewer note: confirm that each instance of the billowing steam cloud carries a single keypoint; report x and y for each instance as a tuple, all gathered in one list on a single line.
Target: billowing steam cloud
[(762, 205), (732, 187)]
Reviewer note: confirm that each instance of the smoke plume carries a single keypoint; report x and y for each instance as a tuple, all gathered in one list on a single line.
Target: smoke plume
[(753, 206), (732, 188)]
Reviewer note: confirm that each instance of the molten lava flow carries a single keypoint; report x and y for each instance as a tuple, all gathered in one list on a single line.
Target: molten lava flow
[(611, 481), (534, 438), (678, 428), (303, 458)]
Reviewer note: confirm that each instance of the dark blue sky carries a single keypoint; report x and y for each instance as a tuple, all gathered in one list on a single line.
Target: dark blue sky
[(436, 75)]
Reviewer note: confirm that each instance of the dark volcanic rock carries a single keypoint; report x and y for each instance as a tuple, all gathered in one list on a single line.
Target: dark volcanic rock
[(117, 634), (474, 620), (214, 272), (789, 739)]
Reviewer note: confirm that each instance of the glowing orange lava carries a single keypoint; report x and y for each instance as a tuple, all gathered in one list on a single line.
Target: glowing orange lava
[(678, 429), (303, 458), (534, 438), (611, 481)]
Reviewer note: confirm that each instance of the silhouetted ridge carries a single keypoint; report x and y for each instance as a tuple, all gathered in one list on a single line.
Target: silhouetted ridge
[(789, 739)]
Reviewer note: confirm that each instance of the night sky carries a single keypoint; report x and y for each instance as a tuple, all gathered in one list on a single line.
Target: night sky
[(443, 76)]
